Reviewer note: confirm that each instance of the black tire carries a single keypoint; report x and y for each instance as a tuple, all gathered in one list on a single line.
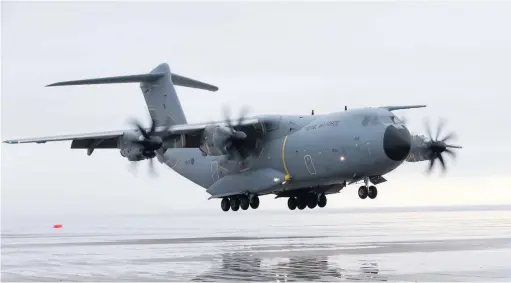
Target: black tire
[(362, 192), (254, 202), (244, 202), (291, 203), (225, 204), (372, 192), (312, 201), (322, 200), (301, 202), (235, 204)]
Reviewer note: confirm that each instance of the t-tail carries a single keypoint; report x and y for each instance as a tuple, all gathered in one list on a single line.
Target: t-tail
[(158, 89)]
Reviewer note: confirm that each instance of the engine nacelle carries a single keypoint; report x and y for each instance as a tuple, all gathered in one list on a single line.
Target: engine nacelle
[(215, 140), (129, 149)]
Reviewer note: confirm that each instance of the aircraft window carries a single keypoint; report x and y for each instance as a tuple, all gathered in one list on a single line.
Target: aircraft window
[(365, 121), (387, 119), (396, 120), (375, 120)]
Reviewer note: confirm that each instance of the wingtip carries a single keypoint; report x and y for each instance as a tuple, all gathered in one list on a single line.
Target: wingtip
[(56, 84)]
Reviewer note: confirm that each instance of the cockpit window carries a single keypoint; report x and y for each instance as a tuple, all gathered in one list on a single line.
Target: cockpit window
[(396, 120), (365, 121), (375, 120)]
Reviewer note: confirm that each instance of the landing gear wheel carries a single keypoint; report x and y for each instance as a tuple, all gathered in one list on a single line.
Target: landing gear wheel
[(235, 204), (372, 192), (244, 202), (362, 192), (312, 201), (322, 200), (291, 203), (225, 204), (301, 203), (254, 202)]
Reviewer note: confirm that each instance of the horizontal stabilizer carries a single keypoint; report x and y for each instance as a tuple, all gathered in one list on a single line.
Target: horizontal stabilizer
[(176, 80), (392, 108)]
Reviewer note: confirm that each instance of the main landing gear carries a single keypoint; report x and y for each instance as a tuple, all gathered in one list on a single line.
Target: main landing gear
[(243, 201), (307, 200)]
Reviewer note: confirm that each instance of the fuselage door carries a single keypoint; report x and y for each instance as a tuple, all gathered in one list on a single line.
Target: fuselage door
[(309, 164)]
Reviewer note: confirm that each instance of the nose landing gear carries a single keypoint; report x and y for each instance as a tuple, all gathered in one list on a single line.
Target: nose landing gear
[(365, 191)]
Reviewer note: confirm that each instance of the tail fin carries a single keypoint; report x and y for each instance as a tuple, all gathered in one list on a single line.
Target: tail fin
[(158, 89)]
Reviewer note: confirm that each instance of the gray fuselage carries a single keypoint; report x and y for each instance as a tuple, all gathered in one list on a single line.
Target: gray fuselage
[(314, 150)]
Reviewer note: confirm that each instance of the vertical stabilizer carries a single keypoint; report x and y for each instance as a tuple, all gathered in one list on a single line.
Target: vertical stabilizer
[(161, 98)]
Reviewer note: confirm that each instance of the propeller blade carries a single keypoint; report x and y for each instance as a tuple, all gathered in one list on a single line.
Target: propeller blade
[(451, 153), (453, 146), (153, 127), (243, 113), (450, 136), (152, 171), (227, 118), (442, 162), (133, 168), (140, 128), (431, 163), (428, 129), (441, 125)]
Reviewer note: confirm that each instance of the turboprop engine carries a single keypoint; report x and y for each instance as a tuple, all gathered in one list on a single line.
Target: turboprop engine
[(221, 140), (140, 144)]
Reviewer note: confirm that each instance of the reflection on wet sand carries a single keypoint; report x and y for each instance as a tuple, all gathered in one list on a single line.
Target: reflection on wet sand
[(250, 267)]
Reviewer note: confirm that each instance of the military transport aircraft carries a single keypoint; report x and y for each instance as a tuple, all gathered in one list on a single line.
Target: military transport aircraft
[(300, 157)]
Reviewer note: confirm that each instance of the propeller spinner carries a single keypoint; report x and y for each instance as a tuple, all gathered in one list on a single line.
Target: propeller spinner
[(150, 143)]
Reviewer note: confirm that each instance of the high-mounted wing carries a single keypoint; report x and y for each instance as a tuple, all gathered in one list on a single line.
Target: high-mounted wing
[(199, 127), (89, 141), (392, 108), (187, 136), (99, 135)]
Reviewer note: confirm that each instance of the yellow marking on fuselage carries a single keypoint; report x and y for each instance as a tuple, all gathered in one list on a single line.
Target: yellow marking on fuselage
[(283, 156)]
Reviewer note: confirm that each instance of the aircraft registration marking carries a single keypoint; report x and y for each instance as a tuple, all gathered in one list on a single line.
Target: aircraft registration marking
[(333, 123)]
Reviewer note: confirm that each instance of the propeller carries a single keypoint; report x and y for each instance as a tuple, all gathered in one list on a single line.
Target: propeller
[(236, 143), (437, 146), (150, 143)]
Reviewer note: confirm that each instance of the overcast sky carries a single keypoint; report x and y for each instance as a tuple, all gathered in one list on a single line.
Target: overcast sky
[(274, 57)]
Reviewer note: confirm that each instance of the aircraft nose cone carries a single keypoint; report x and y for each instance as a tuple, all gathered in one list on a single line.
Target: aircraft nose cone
[(397, 143)]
